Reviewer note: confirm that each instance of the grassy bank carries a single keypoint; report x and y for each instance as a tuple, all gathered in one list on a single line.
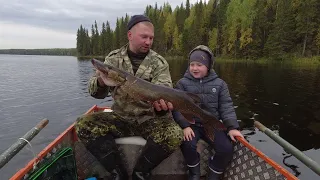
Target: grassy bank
[(90, 57), (295, 61)]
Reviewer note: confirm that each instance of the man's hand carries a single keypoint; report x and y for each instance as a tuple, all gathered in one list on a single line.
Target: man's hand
[(188, 134), (233, 133), (162, 105)]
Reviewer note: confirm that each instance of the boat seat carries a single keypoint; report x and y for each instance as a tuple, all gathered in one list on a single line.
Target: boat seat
[(131, 147)]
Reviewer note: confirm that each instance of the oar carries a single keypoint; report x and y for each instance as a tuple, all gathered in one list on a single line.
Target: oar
[(314, 166), (6, 156)]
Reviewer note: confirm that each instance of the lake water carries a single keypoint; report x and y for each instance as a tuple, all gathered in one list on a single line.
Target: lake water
[(284, 98)]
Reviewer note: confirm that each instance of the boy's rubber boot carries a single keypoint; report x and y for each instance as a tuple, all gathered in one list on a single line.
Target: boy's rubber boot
[(194, 172), (214, 176)]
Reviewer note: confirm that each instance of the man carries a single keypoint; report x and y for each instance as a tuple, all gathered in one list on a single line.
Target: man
[(131, 117)]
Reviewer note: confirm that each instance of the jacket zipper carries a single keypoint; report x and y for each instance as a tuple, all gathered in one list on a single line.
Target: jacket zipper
[(201, 90)]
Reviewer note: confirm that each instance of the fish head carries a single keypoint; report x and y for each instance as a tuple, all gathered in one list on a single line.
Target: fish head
[(114, 76)]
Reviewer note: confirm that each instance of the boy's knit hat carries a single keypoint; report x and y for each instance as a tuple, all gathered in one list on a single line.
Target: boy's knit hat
[(200, 56)]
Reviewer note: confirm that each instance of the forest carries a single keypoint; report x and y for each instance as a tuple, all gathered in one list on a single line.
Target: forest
[(250, 29)]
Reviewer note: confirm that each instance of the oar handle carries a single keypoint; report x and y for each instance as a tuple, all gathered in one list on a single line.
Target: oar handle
[(313, 165), (6, 156), (260, 126), (42, 124)]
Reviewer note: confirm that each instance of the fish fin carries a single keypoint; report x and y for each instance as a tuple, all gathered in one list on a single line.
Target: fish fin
[(114, 83), (195, 97), (211, 120), (115, 79), (218, 125), (209, 131), (189, 118)]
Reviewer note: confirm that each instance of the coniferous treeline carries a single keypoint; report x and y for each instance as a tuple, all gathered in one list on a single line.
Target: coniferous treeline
[(53, 52), (237, 28)]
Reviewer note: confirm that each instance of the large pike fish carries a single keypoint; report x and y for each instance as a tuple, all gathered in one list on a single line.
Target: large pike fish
[(182, 101)]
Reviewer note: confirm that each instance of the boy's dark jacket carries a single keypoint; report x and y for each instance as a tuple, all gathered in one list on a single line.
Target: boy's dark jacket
[(214, 94)]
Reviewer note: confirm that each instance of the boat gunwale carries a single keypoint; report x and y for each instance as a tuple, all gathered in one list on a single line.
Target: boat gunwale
[(23, 171)]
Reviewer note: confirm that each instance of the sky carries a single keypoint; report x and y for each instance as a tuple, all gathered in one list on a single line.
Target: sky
[(33, 24)]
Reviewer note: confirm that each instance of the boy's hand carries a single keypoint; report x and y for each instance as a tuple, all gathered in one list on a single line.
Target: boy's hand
[(187, 134), (233, 133)]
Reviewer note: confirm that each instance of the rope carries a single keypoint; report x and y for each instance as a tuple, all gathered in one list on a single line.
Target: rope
[(32, 150)]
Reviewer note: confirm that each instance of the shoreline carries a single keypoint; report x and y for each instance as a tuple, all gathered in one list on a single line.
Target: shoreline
[(305, 61)]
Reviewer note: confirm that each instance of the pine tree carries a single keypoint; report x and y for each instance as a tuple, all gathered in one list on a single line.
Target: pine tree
[(281, 38), (109, 38), (187, 8), (103, 45), (117, 35), (306, 12), (221, 8), (87, 50), (80, 40), (96, 40), (122, 32), (318, 42)]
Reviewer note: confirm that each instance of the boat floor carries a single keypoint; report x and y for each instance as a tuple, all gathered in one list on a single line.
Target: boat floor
[(246, 163), (170, 177)]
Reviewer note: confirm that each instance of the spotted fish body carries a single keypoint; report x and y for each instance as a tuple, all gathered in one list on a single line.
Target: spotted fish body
[(182, 101)]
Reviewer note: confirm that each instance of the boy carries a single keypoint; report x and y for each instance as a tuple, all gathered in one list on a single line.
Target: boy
[(215, 98)]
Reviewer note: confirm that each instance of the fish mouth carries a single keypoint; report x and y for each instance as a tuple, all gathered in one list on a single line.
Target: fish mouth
[(100, 66)]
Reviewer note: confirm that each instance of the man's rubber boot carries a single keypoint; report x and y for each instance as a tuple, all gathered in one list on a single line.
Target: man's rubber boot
[(106, 151), (152, 155)]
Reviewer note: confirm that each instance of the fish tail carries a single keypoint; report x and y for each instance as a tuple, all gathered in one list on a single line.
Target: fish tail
[(210, 126), (209, 132), (218, 125)]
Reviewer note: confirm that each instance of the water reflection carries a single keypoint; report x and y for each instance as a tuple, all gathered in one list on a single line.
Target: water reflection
[(85, 72), (177, 68), (293, 167)]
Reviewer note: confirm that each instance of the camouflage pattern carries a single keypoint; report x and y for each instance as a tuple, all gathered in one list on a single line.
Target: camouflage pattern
[(161, 130), (154, 68)]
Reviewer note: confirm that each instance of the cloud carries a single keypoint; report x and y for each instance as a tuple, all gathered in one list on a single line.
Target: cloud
[(20, 36), (61, 18)]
